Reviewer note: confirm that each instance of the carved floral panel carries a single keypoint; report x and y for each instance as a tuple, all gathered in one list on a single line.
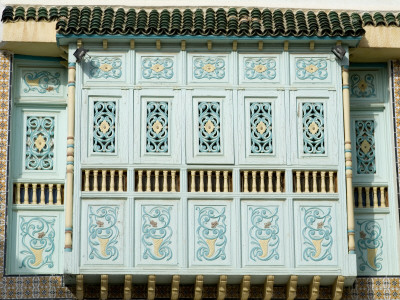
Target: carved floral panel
[(102, 67), (41, 82), (260, 68), (209, 127), (313, 122), (363, 85), (365, 146), (261, 128), (104, 126), (158, 68), (209, 68), (39, 149), (311, 69), (157, 127)]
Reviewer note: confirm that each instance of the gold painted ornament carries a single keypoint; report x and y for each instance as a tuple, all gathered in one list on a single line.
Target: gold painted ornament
[(157, 68), (209, 68), (365, 146), (106, 67), (311, 68), (260, 68), (313, 128), (157, 127), (40, 142), (209, 126), (104, 126)]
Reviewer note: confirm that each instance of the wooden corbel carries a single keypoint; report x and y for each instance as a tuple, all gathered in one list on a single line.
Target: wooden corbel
[(260, 45), (158, 44), (175, 287), (183, 45), (128, 287), (209, 45), (268, 287), (132, 44), (104, 287), (221, 290), (151, 287), (234, 45), (79, 287), (314, 288), (79, 43), (337, 288), (105, 44), (245, 287), (291, 287), (286, 46), (312, 45), (198, 287)]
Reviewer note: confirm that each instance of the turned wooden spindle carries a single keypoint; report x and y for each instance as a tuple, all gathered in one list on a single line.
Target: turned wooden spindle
[(157, 181), (262, 184), (140, 181), (173, 179), (209, 176), (226, 181), (120, 181), (245, 181), (298, 182), (217, 184), (103, 180), (112, 180), (383, 196), (331, 185), (51, 198), (314, 182), (360, 204), (58, 194), (323, 186), (148, 181), (201, 181), (254, 181), (270, 184), (278, 182), (34, 195), (95, 186), (367, 197), (306, 183), (86, 188), (26, 194), (18, 191), (193, 181), (165, 181), (375, 192), (42, 197)]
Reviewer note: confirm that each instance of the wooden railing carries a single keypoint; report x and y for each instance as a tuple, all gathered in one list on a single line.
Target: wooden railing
[(157, 181), (262, 181), (370, 196), (315, 181), (39, 193), (208, 181), (104, 180)]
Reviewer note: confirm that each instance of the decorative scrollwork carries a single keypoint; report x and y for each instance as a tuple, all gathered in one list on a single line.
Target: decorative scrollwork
[(365, 146), (104, 126), (370, 245), (157, 68), (260, 68), (103, 233), (311, 68), (362, 87), (263, 233), (313, 128), (39, 153), (37, 237), (209, 127), (317, 234), (211, 233), (157, 127), (157, 233), (105, 67), (42, 82), (209, 68), (261, 127)]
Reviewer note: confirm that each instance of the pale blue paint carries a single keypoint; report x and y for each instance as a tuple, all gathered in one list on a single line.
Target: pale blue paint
[(209, 141), (157, 142), (150, 71), (313, 143), (370, 238), (200, 70), (252, 68), (261, 142), (96, 70), (365, 131), (41, 82), (321, 65), (362, 87), (104, 142)]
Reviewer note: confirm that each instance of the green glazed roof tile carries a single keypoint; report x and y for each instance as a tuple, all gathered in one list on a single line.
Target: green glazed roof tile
[(209, 21)]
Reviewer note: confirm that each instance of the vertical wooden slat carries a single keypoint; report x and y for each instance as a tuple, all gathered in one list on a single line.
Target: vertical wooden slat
[(128, 287), (34, 195), (201, 182), (367, 198), (151, 287), (173, 176), (95, 187), (148, 182), (306, 183), (268, 288), (217, 183), (193, 181), (221, 288), (254, 182), (165, 181), (112, 180), (225, 181), (51, 198), (323, 185), (26, 194), (198, 288), (331, 186), (270, 186), (375, 190), (245, 287), (157, 181), (314, 182), (120, 182), (245, 181), (383, 196), (360, 204), (209, 176), (103, 180), (262, 184), (140, 181), (278, 182), (298, 183), (87, 174), (104, 287), (175, 287), (58, 194), (18, 191), (42, 199)]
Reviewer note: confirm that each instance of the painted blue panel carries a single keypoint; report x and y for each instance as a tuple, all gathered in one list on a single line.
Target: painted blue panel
[(157, 127), (370, 245), (209, 67), (41, 82), (104, 122), (313, 128), (362, 85), (39, 153), (105, 67), (261, 127), (209, 127), (365, 146), (260, 68), (311, 68), (157, 68)]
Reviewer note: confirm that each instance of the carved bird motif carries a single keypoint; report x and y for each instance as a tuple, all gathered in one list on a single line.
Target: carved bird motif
[(41, 235), (214, 224), (153, 223), (100, 223)]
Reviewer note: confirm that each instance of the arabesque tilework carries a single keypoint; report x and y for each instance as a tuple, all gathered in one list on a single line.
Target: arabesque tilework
[(52, 287)]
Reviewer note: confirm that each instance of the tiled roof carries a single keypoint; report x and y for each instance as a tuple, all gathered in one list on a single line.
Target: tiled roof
[(224, 22)]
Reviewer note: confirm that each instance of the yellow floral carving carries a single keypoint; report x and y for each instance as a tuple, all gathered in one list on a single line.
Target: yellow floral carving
[(362, 85), (106, 67), (261, 127), (157, 126), (104, 126), (157, 68), (209, 68), (260, 68), (209, 126), (157, 243), (313, 128), (311, 68), (365, 146), (40, 142)]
